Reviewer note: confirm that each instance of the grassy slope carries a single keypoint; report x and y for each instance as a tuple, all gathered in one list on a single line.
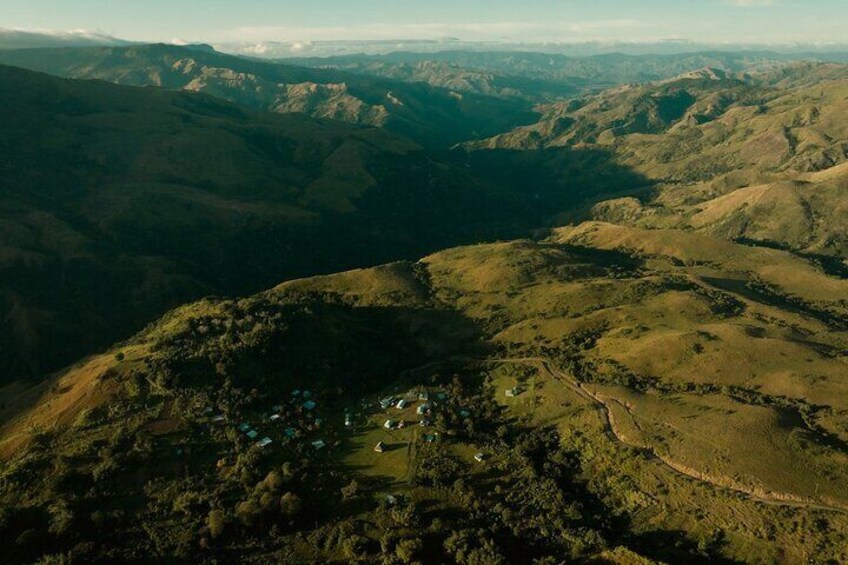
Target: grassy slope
[(755, 158), (659, 327), (122, 202)]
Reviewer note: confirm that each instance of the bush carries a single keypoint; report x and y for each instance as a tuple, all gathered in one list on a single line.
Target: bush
[(352, 491)]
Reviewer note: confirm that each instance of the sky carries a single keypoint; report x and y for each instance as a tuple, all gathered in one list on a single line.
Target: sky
[(216, 21)]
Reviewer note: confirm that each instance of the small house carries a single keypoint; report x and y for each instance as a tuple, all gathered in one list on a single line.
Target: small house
[(386, 402), (295, 392), (309, 405), (264, 442), (319, 444), (219, 418), (380, 447), (424, 423), (274, 417), (423, 409), (244, 427), (424, 395), (252, 434), (465, 413), (480, 457), (402, 403), (348, 420), (291, 432), (430, 438), (389, 425)]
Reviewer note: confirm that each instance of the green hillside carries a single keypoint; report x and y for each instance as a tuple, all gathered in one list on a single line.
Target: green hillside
[(121, 202), (754, 158), (653, 378)]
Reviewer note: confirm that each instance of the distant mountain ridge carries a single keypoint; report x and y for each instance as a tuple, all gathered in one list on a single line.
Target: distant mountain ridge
[(592, 73), (430, 115)]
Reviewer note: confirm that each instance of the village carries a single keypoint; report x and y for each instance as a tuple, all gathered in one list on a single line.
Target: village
[(388, 426)]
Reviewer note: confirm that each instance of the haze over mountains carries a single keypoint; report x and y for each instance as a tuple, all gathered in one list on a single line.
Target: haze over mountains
[(301, 47), (603, 295)]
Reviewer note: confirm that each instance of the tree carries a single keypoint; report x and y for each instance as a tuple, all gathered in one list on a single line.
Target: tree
[(290, 504), (268, 501), (273, 482), (408, 549), (61, 518), (247, 512), (217, 522)]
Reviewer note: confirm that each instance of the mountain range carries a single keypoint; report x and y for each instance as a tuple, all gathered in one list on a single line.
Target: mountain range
[(432, 116)]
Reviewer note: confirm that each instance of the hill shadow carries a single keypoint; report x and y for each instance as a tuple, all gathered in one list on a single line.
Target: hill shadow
[(319, 342), (562, 181)]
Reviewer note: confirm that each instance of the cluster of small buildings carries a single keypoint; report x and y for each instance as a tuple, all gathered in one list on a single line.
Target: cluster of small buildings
[(296, 417), (423, 410), (252, 434)]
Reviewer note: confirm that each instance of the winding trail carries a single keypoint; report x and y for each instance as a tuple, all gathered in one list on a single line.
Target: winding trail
[(615, 435)]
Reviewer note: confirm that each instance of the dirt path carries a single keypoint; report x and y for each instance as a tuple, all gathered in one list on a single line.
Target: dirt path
[(614, 434)]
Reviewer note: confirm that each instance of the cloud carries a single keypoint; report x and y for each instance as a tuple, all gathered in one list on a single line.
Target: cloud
[(745, 3), (16, 38), (425, 31)]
